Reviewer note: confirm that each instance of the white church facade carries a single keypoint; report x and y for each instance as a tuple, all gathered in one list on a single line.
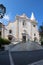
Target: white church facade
[(22, 29)]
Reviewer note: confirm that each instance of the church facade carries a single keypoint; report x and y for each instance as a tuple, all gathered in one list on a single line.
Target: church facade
[(22, 29)]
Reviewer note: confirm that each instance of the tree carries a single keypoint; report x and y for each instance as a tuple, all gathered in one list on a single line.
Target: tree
[(41, 32)]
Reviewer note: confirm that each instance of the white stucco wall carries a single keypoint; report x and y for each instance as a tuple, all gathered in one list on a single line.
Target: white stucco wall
[(21, 28), (35, 31), (18, 28), (28, 27), (11, 26)]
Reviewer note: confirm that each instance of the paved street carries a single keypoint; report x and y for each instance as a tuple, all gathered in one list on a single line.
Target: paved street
[(22, 54), (28, 46), (26, 57), (4, 58), (40, 62), (26, 53)]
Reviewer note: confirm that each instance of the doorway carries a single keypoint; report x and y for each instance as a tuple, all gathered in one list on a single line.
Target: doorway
[(24, 39), (35, 39)]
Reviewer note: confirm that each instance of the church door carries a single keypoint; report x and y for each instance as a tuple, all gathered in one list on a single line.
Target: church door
[(24, 38)]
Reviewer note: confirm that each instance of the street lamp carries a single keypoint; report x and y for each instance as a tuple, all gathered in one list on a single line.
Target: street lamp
[(2, 11)]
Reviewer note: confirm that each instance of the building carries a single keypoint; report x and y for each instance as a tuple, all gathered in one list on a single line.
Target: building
[(22, 29), (2, 29)]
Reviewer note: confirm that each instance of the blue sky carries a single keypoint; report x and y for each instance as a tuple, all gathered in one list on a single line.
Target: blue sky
[(18, 7)]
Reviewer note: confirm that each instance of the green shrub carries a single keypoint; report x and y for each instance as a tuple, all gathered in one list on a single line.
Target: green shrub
[(4, 41)]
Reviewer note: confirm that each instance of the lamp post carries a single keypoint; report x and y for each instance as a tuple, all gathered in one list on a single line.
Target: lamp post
[(2, 10)]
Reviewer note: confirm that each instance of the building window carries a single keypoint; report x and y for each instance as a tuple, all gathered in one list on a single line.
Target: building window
[(24, 23), (34, 25), (34, 34), (10, 31)]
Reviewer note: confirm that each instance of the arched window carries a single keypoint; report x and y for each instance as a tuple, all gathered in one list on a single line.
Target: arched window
[(24, 23), (34, 34), (34, 25), (10, 31), (10, 37)]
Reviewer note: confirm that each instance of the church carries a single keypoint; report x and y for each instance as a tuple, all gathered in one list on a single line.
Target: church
[(22, 29)]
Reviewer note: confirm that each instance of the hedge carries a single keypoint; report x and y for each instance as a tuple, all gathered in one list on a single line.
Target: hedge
[(4, 41)]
